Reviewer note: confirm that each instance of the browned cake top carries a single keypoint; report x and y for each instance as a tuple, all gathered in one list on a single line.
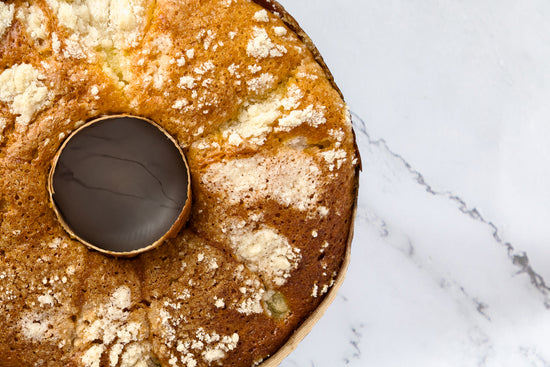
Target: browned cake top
[(273, 167)]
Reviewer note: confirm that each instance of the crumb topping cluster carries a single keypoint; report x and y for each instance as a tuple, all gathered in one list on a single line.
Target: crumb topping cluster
[(22, 87)]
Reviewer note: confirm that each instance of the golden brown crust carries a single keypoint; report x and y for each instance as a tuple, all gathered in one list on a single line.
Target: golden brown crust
[(274, 172), (280, 11)]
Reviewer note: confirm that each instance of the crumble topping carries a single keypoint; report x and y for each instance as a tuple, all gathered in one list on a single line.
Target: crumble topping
[(323, 211), (56, 44), (92, 357), (261, 16), (291, 178), (279, 31), (311, 115), (208, 38), (334, 158), (180, 61), (261, 46), (39, 326), (265, 251), (261, 83), (315, 290), (205, 67), (255, 120), (251, 303), (180, 103), (211, 346), (6, 16), (108, 328), (233, 70), (254, 68), (105, 24), (187, 82), (46, 299), (22, 87), (219, 302), (34, 20)]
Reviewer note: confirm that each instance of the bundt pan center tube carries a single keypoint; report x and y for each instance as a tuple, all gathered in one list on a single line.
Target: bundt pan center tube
[(121, 185)]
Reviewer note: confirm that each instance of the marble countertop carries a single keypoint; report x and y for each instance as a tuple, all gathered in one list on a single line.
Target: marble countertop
[(452, 247)]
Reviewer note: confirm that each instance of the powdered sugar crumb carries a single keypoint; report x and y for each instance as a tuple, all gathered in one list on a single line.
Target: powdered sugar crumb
[(291, 178), (261, 83), (261, 46), (186, 82), (314, 116), (261, 16), (22, 87), (279, 31), (7, 12), (334, 158)]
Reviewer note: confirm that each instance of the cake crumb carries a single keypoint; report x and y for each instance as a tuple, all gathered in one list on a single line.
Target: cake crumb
[(56, 44), (204, 67), (180, 103), (219, 302), (117, 24), (261, 46), (107, 324), (213, 265), (261, 83), (46, 299), (180, 61), (266, 252), (21, 86), (187, 82), (261, 16), (35, 327), (34, 20), (254, 68), (233, 70), (323, 211), (334, 158), (310, 115), (314, 291), (92, 357), (7, 12), (255, 178), (280, 31)]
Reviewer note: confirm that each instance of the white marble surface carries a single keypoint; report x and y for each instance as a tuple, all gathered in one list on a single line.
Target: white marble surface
[(452, 246)]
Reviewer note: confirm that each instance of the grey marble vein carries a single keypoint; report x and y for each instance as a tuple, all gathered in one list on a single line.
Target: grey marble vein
[(518, 258)]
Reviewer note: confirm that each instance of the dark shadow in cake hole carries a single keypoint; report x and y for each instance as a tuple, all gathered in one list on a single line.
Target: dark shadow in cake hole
[(120, 185)]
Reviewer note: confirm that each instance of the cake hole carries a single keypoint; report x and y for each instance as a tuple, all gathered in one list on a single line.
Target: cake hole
[(120, 185)]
